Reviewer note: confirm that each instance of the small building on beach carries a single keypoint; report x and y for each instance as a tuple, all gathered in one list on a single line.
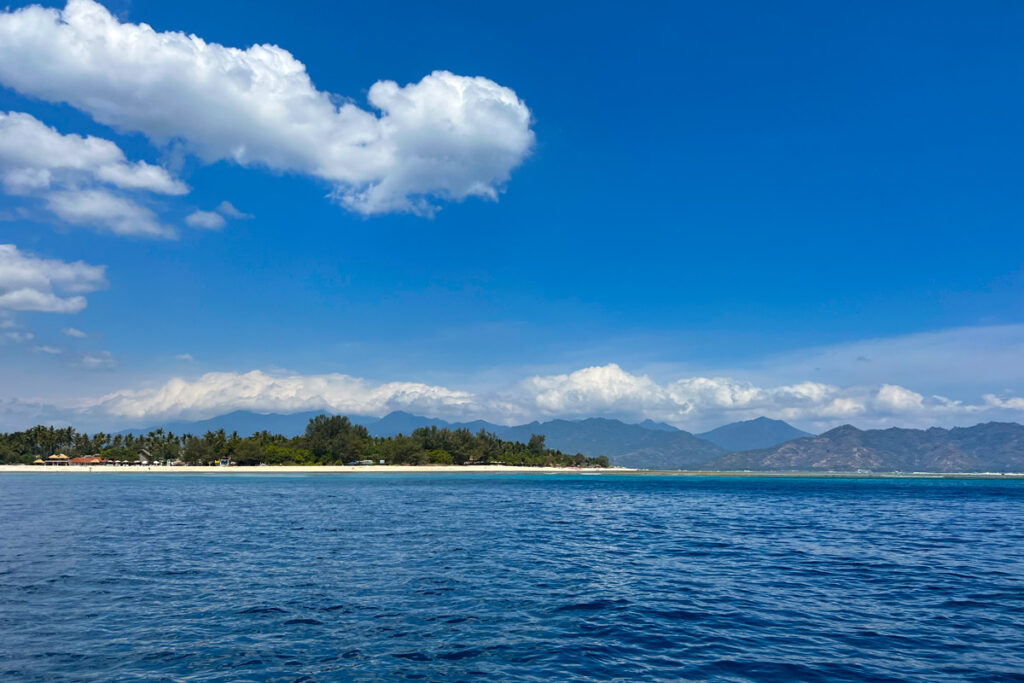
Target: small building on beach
[(89, 460)]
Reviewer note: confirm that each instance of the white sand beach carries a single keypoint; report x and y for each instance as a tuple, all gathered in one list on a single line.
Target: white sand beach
[(301, 469)]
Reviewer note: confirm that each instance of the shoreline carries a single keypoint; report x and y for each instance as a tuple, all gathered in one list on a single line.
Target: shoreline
[(482, 469), (297, 469)]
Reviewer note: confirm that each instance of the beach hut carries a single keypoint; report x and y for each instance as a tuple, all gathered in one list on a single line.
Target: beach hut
[(57, 459), (38, 461)]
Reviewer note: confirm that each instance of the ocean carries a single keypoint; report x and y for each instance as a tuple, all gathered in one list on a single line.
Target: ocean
[(537, 577)]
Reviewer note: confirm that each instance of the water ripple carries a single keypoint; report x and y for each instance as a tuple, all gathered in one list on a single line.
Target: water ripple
[(534, 578)]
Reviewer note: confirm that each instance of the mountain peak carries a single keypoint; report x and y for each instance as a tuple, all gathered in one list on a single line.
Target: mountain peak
[(656, 426), (755, 434)]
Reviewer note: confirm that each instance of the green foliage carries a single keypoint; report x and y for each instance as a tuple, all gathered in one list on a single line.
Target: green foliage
[(328, 440)]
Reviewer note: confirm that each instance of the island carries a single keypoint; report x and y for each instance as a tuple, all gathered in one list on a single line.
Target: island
[(329, 441)]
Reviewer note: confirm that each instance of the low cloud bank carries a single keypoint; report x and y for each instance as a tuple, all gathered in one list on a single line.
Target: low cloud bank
[(692, 403)]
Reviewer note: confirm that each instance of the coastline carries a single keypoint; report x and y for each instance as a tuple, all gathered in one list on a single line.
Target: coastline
[(485, 469), (298, 469)]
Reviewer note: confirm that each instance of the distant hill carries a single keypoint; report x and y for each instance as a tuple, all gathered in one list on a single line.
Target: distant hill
[(398, 422), (603, 436), (593, 436), (991, 447), (683, 451), (648, 444), (245, 422), (761, 432)]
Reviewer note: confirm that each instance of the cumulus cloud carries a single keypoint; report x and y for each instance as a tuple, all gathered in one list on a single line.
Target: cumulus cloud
[(30, 283), (609, 389), (446, 136), (35, 155), (84, 180), (217, 392), (701, 402), (117, 214), (216, 219), (73, 332), (898, 399), (1008, 403), (51, 350), (206, 220)]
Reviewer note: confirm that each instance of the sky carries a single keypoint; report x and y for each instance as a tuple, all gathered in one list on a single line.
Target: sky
[(690, 212)]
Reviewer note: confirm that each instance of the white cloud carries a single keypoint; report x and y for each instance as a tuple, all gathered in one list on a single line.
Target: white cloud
[(96, 360), (228, 209), (206, 220), (35, 300), (217, 392), (185, 357), (611, 390), (703, 402), (84, 180), (694, 403), (608, 386), (72, 332), (898, 399), (117, 214), (51, 350), (19, 337), (447, 136), (30, 283), (36, 155), (1009, 403), (216, 219)]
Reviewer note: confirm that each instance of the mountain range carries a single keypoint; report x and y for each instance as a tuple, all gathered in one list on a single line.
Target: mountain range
[(991, 447), (651, 445), (761, 444)]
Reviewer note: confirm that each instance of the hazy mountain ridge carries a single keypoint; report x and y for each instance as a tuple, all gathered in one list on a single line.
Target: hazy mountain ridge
[(989, 447), (649, 444), (245, 423), (761, 432), (592, 436)]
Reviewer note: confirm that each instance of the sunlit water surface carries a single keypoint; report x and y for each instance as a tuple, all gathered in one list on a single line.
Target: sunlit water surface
[(508, 577)]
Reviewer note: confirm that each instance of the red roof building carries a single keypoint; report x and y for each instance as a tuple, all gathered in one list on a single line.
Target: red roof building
[(89, 460)]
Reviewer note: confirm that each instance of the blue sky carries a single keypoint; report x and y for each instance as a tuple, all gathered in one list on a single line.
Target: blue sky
[(759, 195)]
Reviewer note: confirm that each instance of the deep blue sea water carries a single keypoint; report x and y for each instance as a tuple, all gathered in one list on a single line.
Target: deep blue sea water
[(506, 577)]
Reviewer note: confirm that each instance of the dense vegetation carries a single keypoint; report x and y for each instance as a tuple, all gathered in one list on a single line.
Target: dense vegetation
[(327, 441)]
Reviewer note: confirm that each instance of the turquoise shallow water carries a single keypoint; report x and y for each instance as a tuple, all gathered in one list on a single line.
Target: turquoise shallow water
[(507, 577)]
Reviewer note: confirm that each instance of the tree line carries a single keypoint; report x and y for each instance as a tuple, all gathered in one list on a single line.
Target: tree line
[(328, 440)]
